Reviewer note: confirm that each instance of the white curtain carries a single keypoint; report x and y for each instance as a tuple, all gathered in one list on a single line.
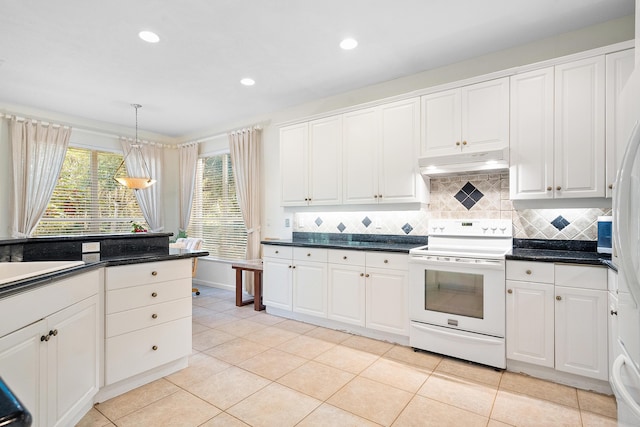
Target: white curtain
[(149, 198), (38, 152), (244, 146), (188, 156)]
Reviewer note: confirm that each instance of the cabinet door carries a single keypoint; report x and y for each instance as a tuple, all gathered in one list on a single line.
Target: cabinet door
[(441, 132), (72, 360), (277, 283), (485, 116), (581, 332), (614, 349), (361, 142), (579, 128), (325, 161), (399, 151), (294, 162), (346, 294), (387, 300), (310, 288), (23, 367), (619, 68), (531, 145), (530, 322)]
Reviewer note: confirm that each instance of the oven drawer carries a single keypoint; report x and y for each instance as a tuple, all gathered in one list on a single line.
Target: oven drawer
[(530, 271), (388, 260)]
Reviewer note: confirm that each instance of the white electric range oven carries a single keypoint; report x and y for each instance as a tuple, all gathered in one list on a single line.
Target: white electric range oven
[(457, 290)]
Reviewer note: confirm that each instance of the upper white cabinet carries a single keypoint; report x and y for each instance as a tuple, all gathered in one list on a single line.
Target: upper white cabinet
[(469, 119), (311, 162), (619, 67), (557, 131), (380, 148)]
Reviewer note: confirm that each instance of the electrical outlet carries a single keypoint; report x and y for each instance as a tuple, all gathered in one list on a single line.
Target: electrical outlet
[(91, 247), (287, 222)]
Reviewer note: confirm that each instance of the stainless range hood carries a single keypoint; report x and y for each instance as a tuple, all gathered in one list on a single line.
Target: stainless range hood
[(490, 160)]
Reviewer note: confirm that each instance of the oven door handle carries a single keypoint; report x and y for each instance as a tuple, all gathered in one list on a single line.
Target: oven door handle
[(487, 340)]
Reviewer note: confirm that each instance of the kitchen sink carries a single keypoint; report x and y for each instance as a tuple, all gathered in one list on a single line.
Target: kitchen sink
[(12, 271)]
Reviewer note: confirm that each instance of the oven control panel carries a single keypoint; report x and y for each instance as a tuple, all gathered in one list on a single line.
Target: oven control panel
[(471, 227)]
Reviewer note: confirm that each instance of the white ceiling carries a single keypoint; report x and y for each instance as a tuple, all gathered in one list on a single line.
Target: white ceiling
[(83, 57)]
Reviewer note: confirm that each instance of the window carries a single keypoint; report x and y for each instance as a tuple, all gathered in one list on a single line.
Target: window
[(215, 214), (87, 200)]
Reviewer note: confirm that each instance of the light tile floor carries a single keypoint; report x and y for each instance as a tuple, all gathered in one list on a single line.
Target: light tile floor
[(250, 368)]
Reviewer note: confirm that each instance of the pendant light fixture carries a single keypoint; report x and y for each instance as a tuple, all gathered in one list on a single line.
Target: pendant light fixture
[(137, 182)]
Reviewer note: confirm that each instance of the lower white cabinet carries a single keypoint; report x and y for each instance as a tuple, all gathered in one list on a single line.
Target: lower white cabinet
[(557, 317), (365, 289), (147, 316), (52, 365)]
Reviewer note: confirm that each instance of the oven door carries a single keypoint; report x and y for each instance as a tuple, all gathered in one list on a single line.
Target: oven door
[(458, 293)]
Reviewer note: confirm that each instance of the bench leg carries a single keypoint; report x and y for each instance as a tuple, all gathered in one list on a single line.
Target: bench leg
[(239, 302)]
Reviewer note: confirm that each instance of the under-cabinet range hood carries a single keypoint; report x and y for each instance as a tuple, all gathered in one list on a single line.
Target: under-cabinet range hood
[(490, 160)]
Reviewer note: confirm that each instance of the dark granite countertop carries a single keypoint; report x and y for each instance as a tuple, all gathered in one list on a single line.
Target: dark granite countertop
[(567, 251), (12, 288), (363, 242)]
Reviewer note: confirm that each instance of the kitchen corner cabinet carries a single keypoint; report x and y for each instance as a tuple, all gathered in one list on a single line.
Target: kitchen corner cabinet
[(558, 131), (52, 365), (571, 336), (380, 150), (469, 119), (619, 66), (148, 317), (311, 163)]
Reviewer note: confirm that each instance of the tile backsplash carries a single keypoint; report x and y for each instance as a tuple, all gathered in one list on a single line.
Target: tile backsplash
[(468, 196)]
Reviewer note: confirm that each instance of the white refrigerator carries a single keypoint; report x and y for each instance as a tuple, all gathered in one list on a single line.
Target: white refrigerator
[(625, 372)]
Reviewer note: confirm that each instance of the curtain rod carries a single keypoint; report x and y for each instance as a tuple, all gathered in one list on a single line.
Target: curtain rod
[(42, 121)]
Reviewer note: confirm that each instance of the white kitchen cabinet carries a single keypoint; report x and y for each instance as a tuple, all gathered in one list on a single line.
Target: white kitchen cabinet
[(346, 287), (557, 317), (148, 317), (52, 365), (387, 300), (311, 163), (579, 128), (614, 349), (531, 149), (530, 322), (380, 147), (310, 281), (277, 279), (469, 119), (619, 66), (557, 131)]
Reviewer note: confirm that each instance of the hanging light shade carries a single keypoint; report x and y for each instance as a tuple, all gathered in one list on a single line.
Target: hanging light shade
[(135, 182)]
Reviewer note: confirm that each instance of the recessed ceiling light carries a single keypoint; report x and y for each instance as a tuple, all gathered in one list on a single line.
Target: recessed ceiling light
[(247, 81), (149, 36), (348, 44)]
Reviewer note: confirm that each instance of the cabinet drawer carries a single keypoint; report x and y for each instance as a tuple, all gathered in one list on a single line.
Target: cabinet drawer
[(130, 354), (140, 296), (283, 252), (144, 317), (151, 272), (388, 260), (347, 257), (530, 271), (581, 276), (310, 254)]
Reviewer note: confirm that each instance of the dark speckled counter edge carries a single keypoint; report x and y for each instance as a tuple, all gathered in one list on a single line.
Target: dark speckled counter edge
[(358, 242), (561, 251)]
